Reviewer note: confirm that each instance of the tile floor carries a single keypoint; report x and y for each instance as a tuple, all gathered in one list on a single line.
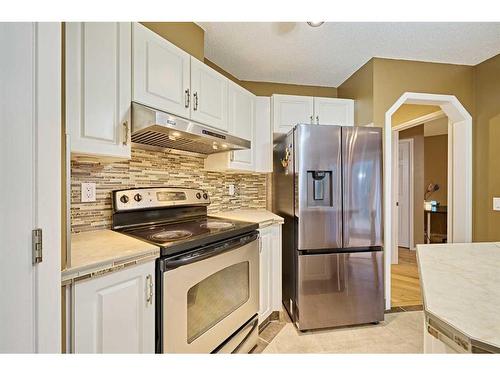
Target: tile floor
[(399, 333)]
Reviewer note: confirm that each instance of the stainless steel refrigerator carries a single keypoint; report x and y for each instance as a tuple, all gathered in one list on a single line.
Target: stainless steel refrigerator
[(328, 187)]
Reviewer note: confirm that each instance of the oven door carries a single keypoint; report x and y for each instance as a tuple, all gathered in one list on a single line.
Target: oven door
[(208, 295)]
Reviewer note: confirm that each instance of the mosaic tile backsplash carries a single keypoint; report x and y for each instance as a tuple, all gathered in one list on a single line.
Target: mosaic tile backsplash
[(157, 168)]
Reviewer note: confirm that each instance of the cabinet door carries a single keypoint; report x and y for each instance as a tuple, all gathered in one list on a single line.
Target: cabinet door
[(276, 303), (98, 88), (160, 73), (263, 135), (265, 249), (241, 116), (332, 111), (116, 313), (209, 96), (289, 110)]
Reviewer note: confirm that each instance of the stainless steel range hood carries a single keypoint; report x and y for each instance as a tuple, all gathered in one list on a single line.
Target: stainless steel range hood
[(160, 129)]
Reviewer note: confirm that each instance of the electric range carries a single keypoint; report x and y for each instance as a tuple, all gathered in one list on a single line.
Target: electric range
[(207, 276)]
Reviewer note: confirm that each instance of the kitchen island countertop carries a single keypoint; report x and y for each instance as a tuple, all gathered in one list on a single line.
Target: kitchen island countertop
[(461, 288)]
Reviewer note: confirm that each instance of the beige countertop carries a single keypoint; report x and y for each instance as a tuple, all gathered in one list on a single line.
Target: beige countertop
[(98, 251), (461, 287), (262, 217)]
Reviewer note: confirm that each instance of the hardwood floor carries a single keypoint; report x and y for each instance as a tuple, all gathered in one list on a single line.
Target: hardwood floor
[(405, 282)]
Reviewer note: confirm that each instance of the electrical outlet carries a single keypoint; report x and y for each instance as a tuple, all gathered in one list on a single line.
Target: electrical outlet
[(88, 192), (232, 189), (496, 204)]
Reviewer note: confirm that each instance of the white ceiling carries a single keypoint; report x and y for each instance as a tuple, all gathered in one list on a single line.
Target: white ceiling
[(436, 127), (293, 52)]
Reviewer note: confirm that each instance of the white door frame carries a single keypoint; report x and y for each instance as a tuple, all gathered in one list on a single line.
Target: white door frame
[(31, 186), (411, 193), (459, 214)]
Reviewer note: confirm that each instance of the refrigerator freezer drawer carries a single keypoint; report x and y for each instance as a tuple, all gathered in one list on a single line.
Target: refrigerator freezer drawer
[(340, 289)]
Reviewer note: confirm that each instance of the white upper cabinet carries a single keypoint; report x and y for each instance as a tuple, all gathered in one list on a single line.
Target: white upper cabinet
[(98, 87), (161, 73), (333, 111), (290, 110), (263, 135), (241, 116), (209, 95), (115, 313)]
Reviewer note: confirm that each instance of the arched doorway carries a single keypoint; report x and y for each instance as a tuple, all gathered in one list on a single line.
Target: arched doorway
[(459, 172)]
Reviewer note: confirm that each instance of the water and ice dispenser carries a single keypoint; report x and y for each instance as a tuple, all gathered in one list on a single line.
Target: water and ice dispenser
[(319, 188)]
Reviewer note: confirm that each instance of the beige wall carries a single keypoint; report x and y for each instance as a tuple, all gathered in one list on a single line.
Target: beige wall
[(359, 87), (392, 78), (486, 128), (186, 35), (436, 166), (417, 134)]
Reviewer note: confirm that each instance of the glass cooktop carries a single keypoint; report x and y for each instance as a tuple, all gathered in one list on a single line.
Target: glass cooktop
[(175, 237)]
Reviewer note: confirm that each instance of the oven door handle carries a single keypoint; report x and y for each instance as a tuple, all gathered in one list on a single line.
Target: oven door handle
[(208, 251)]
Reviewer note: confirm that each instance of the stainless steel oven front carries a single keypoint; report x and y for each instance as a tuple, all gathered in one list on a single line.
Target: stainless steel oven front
[(208, 298)]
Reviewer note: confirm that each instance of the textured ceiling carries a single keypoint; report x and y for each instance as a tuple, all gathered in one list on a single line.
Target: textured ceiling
[(293, 52)]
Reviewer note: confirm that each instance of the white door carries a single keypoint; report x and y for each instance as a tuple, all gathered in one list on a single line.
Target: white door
[(30, 170), (98, 85), (290, 110), (161, 73), (241, 115), (404, 194), (209, 95), (115, 313), (265, 264), (333, 111)]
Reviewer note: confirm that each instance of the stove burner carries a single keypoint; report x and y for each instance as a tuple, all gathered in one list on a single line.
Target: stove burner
[(171, 235), (217, 225)]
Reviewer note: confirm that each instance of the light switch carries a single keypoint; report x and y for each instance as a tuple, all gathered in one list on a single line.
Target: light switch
[(232, 189), (496, 204), (88, 192)]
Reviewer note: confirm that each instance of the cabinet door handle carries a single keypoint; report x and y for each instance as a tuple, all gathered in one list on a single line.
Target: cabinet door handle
[(311, 119), (149, 289), (125, 125), (195, 96), (317, 120), (187, 99)]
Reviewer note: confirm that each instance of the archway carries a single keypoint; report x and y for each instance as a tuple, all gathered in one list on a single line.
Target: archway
[(459, 172)]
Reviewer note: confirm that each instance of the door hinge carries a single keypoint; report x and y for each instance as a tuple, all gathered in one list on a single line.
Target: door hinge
[(37, 245)]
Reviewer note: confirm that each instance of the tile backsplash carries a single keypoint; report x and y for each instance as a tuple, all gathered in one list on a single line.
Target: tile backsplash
[(157, 168)]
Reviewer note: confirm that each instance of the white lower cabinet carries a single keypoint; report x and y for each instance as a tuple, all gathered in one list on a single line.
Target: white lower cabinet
[(115, 313), (270, 271)]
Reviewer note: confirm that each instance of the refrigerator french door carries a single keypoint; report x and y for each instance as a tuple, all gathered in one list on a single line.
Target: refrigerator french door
[(332, 253)]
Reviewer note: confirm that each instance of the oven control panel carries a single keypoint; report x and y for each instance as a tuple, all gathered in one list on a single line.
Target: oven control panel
[(150, 198)]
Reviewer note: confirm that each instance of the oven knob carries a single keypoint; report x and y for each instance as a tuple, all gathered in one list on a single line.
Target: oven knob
[(205, 196), (138, 197), (198, 195), (124, 199)]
